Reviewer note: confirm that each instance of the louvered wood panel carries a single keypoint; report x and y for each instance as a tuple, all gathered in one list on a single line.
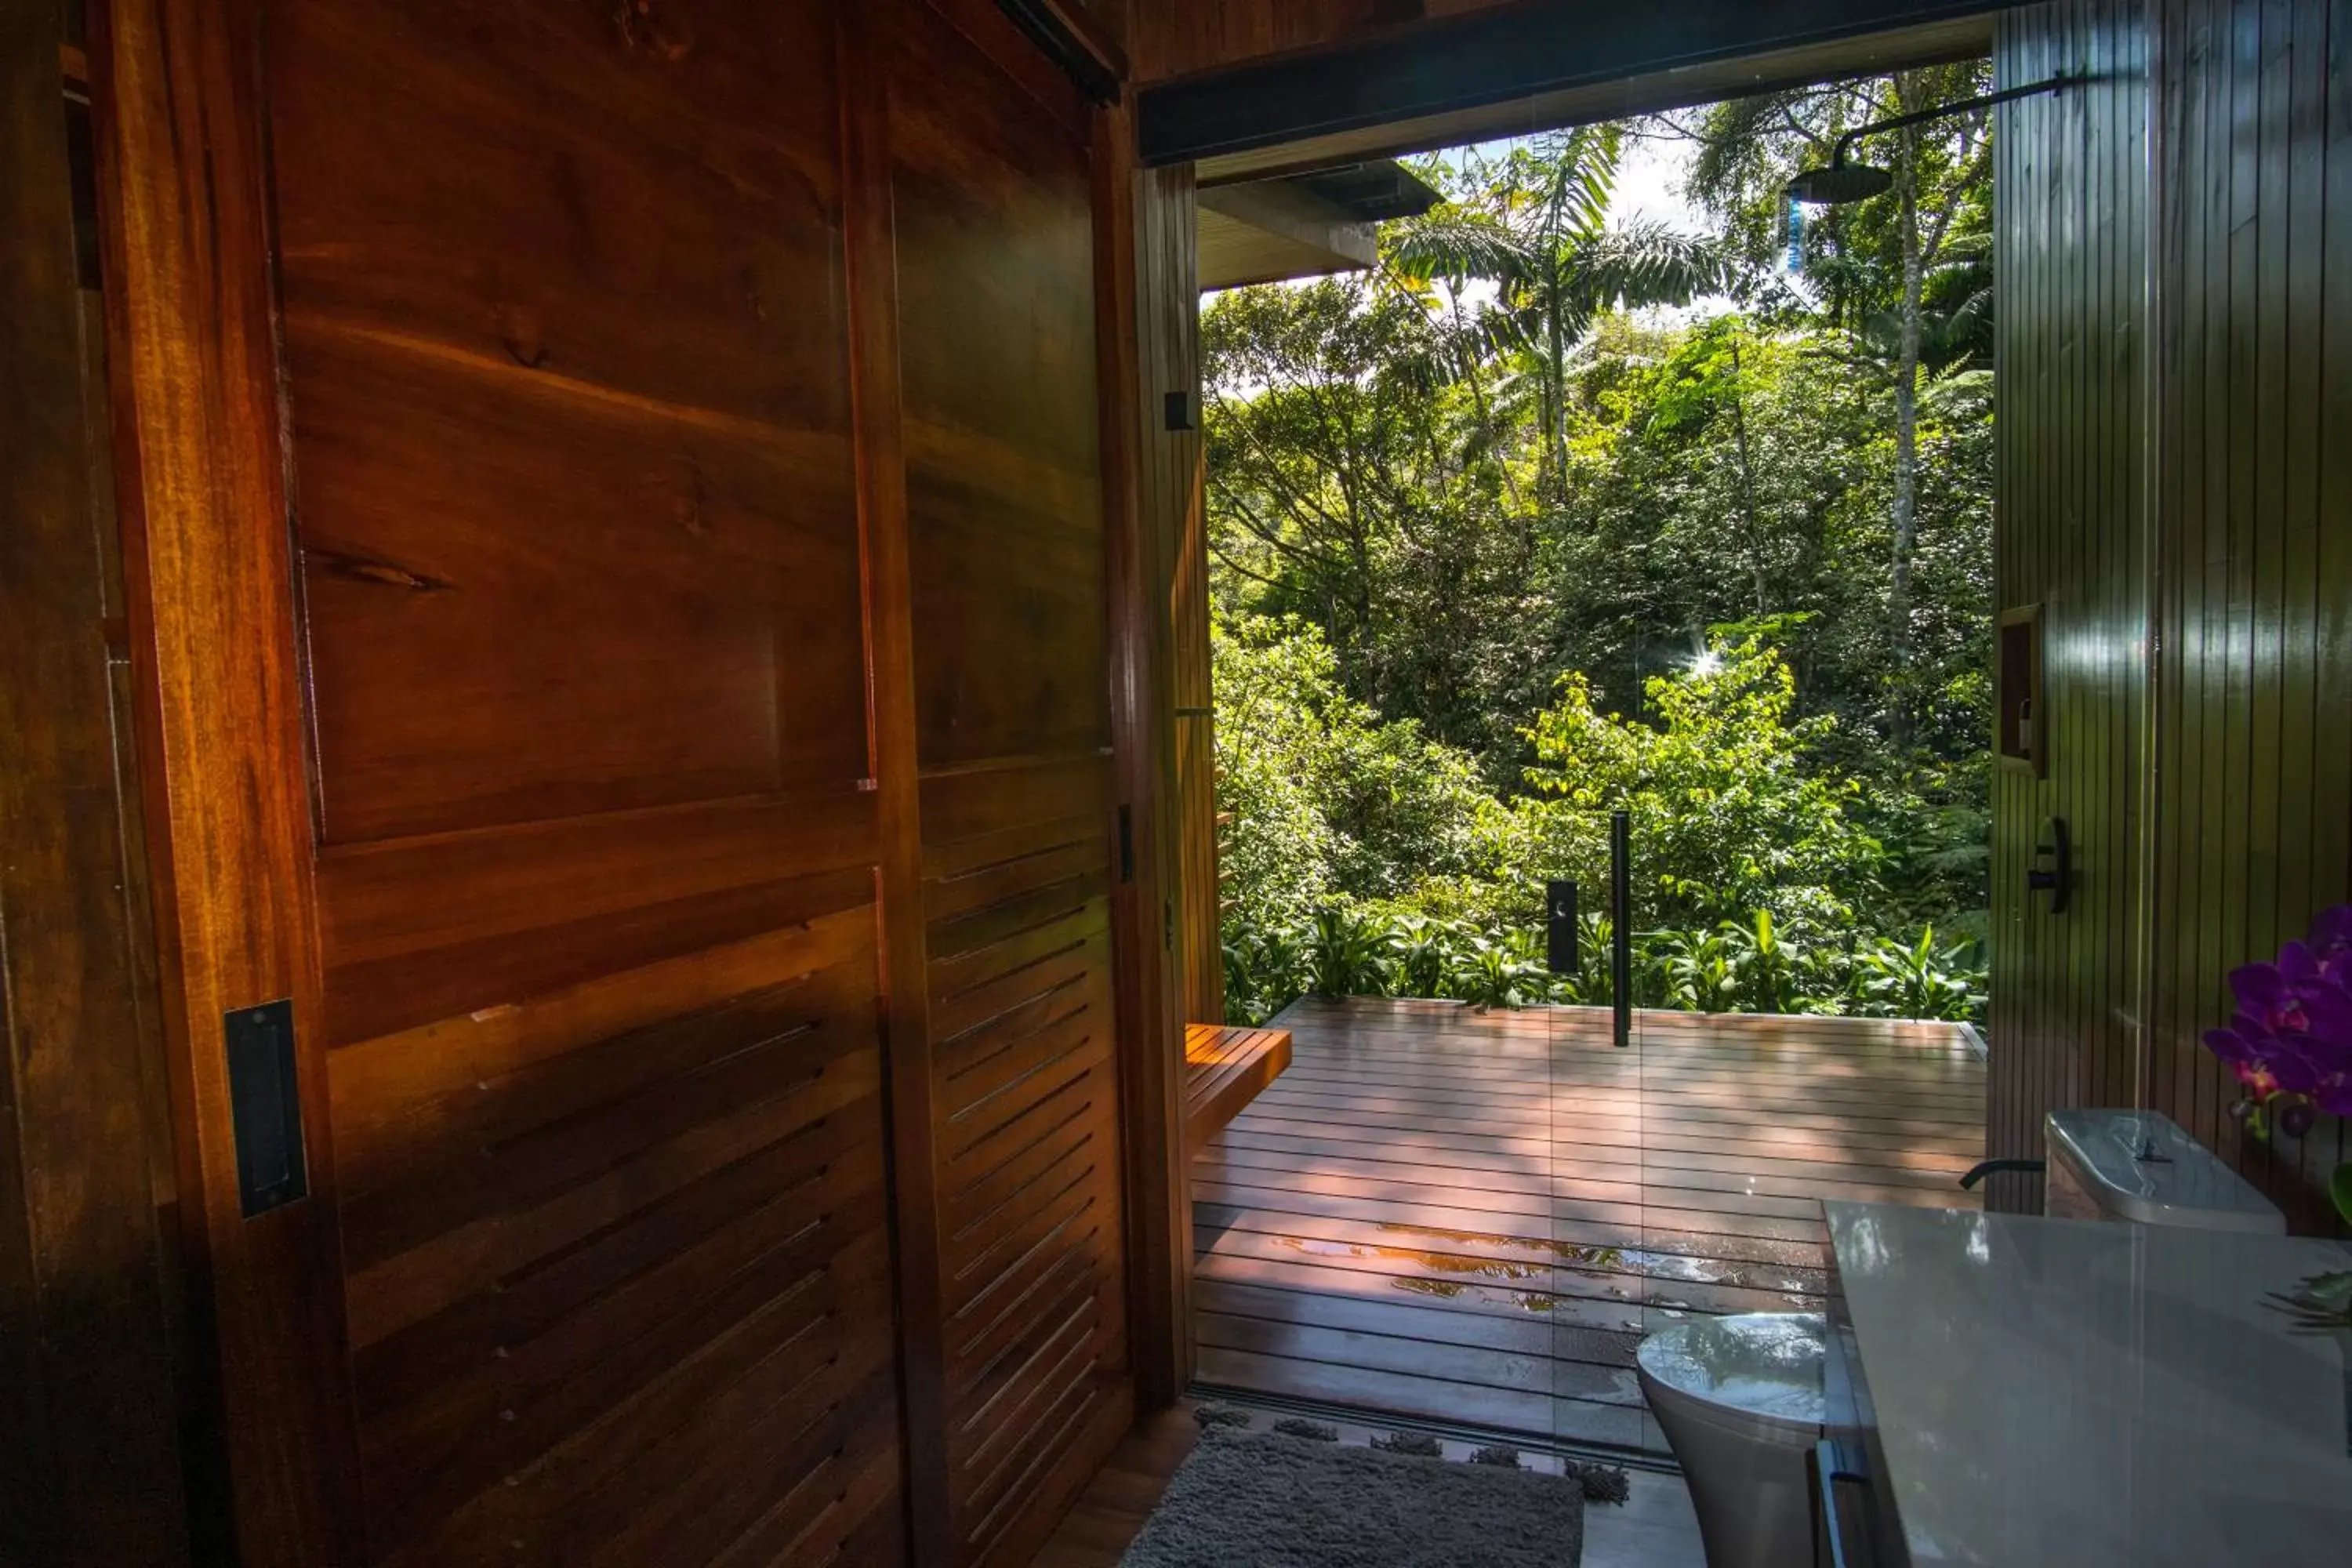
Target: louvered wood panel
[(992, 202), (566, 362), (1027, 1137)]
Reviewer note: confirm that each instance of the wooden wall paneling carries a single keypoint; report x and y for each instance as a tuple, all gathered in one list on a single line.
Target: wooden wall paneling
[(90, 1465), (210, 571), (603, 952), (2251, 580), (2331, 628), (1202, 35), (2253, 831), (2071, 191), (595, 1074), (1009, 482)]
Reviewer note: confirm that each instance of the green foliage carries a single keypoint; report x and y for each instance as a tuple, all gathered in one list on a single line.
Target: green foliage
[(1728, 811), (1735, 966), (1323, 798), (1920, 981), (1348, 952), (1497, 972), (1495, 551)]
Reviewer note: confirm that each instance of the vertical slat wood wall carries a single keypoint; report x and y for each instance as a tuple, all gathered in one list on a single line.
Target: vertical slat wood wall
[(2255, 489), (2070, 189), (2252, 513)]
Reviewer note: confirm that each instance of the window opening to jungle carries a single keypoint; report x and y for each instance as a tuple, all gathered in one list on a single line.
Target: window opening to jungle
[(1584, 497), (1610, 483)]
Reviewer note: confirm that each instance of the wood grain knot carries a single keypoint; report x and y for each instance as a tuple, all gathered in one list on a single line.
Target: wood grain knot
[(369, 569), (522, 335), (654, 26)]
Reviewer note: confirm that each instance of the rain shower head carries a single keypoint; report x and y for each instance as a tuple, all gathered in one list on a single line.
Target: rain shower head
[(1839, 184)]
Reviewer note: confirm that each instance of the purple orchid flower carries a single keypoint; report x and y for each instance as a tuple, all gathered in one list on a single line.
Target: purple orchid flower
[(2265, 1064), (2293, 1030)]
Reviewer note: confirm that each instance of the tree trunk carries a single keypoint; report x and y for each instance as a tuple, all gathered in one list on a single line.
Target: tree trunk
[(1756, 547), (1907, 429)]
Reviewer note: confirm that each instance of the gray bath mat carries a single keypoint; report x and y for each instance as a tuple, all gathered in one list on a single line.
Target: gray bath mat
[(1267, 1501)]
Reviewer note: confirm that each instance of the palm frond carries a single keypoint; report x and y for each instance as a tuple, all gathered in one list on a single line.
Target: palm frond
[(1641, 264), (1454, 245)]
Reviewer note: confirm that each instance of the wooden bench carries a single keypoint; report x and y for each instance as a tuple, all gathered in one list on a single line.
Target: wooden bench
[(1224, 1069)]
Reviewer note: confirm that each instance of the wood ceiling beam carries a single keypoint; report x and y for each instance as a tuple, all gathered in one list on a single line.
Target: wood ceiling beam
[(1507, 57)]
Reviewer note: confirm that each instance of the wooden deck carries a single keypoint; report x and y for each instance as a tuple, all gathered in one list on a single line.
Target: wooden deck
[(1474, 1219)]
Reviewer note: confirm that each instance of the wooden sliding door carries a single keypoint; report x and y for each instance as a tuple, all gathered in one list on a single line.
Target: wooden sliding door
[(565, 355), (623, 591), (990, 186)]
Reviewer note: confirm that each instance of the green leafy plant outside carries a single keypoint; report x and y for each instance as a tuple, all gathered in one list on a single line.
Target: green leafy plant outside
[(1369, 860)]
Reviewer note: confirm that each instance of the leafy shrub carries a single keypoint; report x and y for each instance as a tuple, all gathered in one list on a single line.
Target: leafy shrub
[(1921, 981), (1368, 860), (1494, 972), (1350, 953), (1729, 813), (1754, 965)]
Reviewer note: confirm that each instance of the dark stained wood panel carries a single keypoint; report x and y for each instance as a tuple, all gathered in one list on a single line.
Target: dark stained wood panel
[(2070, 498), (1026, 1140), (1174, 39), (993, 205), (1474, 1219), (90, 1385), (2254, 830), (995, 233), (618, 1262), (637, 498), (2226, 551)]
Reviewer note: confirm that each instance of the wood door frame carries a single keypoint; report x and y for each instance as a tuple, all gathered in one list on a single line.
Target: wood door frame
[(90, 1399), (210, 569), (1140, 567), (870, 241)]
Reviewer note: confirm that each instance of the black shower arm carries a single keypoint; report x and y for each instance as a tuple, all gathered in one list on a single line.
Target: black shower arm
[(1844, 143)]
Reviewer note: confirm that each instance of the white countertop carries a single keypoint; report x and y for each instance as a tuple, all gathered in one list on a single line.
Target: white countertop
[(2075, 1394)]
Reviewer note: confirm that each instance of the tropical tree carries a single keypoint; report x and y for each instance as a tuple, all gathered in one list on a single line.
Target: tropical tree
[(1532, 225), (1907, 273)]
